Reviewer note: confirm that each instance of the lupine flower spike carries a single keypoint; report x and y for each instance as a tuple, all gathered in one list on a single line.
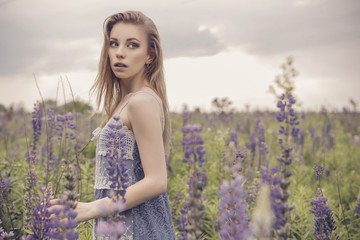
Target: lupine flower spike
[(287, 116), (41, 227), (325, 224), (31, 175), (234, 218), (118, 176), (193, 209)]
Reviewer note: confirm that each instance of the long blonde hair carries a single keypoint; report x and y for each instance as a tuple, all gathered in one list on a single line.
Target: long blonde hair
[(107, 85)]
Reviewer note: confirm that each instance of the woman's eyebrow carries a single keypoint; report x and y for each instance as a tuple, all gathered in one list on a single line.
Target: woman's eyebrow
[(129, 39)]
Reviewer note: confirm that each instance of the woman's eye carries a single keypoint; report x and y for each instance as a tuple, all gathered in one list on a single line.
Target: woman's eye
[(133, 45), (113, 44)]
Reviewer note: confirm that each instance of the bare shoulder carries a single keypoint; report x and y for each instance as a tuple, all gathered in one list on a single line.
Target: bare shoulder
[(144, 104)]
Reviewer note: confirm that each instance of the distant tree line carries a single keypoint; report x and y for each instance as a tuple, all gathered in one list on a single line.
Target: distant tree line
[(72, 106)]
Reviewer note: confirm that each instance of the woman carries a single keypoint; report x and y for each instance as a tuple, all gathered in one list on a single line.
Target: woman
[(131, 86)]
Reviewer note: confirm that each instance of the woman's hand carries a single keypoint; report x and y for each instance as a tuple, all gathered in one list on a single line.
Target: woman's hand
[(84, 211)]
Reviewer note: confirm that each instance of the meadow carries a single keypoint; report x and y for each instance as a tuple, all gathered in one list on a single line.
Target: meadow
[(238, 151), (232, 174)]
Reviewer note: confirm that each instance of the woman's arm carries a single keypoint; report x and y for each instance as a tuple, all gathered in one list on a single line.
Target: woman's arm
[(144, 114)]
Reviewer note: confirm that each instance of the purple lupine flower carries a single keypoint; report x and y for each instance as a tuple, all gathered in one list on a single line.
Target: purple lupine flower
[(234, 218), (251, 145), (278, 207), (60, 126), (320, 210), (301, 138), (266, 178), (178, 198), (319, 171), (4, 190), (312, 131), (287, 114), (29, 192), (117, 169), (193, 209), (281, 207), (241, 154), (119, 179), (250, 197), (36, 126), (273, 179), (65, 122), (233, 139), (291, 98), (41, 226), (112, 229), (60, 118), (282, 96), (261, 131), (263, 148), (274, 169), (328, 140), (66, 227), (69, 116), (357, 207)]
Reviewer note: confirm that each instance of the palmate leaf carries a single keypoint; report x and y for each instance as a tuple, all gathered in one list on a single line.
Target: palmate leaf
[(211, 214), (85, 230)]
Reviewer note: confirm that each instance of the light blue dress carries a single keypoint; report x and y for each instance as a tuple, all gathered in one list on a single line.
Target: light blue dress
[(150, 220)]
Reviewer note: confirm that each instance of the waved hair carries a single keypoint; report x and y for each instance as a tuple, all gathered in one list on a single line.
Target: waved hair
[(107, 85)]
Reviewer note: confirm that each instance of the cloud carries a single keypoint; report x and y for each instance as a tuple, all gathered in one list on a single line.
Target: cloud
[(49, 38), (277, 27), (58, 37)]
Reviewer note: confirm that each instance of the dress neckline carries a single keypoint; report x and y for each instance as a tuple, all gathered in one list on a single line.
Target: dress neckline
[(123, 105), (97, 131)]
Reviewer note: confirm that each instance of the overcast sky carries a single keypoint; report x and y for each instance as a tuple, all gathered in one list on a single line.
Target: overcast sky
[(212, 48)]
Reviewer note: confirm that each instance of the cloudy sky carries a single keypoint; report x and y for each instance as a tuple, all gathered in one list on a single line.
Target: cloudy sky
[(212, 48)]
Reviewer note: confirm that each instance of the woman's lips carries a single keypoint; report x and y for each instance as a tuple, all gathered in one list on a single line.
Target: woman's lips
[(119, 66)]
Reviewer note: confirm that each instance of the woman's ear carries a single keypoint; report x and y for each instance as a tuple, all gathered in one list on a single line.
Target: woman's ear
[(151, 57), (148, 61)]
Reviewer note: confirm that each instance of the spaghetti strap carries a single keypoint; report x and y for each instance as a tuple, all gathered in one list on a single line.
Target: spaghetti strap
[(152, 94)]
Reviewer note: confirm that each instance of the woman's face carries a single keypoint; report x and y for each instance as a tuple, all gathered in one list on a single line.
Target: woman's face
[(128, 51)]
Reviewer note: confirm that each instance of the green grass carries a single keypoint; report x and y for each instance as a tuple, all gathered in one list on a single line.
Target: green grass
[(341, 187)]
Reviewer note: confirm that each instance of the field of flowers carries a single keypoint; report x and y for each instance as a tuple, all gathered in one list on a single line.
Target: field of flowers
[(231, 175)]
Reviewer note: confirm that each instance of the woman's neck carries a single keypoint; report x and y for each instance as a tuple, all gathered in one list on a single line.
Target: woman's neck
[(131, 86)]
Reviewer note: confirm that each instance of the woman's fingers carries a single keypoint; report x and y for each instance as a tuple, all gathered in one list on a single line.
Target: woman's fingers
[(56, 211), (55, 201)]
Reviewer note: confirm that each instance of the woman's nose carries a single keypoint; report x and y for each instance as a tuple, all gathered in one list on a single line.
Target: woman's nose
[(120, 53)]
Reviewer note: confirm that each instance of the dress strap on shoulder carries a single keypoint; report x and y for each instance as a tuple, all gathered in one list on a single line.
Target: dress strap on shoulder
[(152, 94)]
